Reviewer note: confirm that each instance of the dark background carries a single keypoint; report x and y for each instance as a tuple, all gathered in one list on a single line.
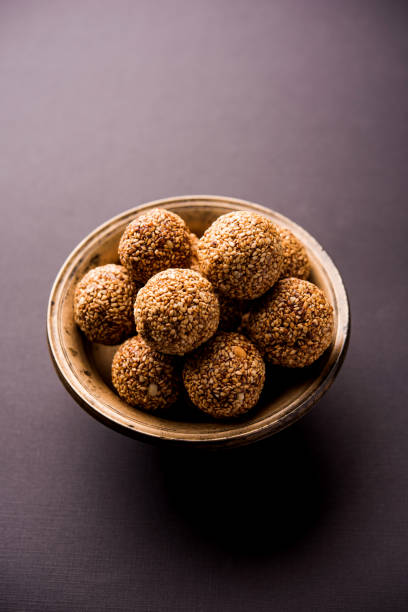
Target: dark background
[(300, 106)]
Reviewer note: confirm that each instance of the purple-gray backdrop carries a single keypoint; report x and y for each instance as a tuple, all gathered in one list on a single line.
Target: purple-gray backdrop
[(301, 106)]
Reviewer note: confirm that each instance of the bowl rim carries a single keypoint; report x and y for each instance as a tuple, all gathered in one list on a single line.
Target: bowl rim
[(247, 432)]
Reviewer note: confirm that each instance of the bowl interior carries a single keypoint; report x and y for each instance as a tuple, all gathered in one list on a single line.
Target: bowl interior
[(85, 367)]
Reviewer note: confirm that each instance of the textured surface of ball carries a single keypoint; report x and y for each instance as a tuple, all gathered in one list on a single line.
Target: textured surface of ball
[(292, 325), (224, 378), (176, 311), (241, 254), (143, 377), (103, 304), (155, 241), (295, 260), (194, 264)]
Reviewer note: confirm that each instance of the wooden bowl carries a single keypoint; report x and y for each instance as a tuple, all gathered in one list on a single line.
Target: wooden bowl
[(85, 368)]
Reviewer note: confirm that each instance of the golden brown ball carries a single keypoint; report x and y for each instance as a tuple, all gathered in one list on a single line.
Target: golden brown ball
[(292, 325), (296, 263), (155, 241), (143, 377), (241, 254), (224, 378), (103, 304), (176, 311), (194, 265)]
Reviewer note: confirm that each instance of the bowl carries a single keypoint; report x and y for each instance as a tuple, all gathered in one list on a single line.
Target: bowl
[(84, 368)]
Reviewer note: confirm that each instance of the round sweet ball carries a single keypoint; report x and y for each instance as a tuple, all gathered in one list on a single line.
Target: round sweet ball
[(231, 312), (176, 311), (153, 242), (103, 304), (292, 325), (296, 263), (224, 378), (143, 377), (241, 254), (194, 264)]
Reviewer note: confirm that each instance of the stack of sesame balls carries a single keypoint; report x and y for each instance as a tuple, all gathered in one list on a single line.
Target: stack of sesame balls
[(206, 313)]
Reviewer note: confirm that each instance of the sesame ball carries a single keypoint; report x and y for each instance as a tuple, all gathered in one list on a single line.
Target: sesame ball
[(144, 377), (241, 254), (292, 325), (231, 312), (103, 304), (194, 265), (225, 377), (176, 311), (295, 260), (153, 242)]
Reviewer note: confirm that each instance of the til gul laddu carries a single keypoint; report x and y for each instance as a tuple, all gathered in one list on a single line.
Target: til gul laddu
[(204, 313)]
